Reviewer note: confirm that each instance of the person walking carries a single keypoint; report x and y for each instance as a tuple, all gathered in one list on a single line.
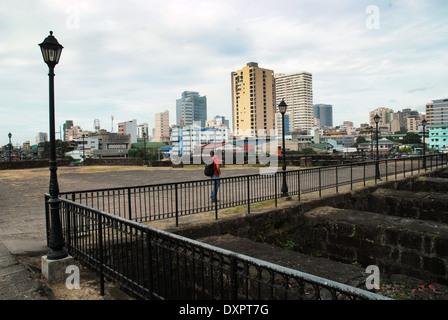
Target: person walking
[(216, 174)]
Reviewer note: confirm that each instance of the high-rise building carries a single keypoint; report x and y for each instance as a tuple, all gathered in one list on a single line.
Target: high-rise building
[(253, 100), (67, 125), (41, 137), (191, 107), (437, 112), (297, 91), (221, 120), (129, 127), (142, 129), (413, 124), (323, 112), (385, 116), (279, 124), (162, 127)]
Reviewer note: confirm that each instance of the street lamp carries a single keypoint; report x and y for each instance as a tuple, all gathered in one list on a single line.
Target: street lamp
[(424, 144), (376, 118), (83, 150), (144, 148), (282, 108), (10, 150), (51, 52)]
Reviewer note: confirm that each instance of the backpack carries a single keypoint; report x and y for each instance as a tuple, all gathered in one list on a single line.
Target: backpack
[(209, 169)]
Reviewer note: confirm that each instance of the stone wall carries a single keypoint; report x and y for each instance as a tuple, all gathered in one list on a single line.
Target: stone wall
[(31, 164), (365, 227)]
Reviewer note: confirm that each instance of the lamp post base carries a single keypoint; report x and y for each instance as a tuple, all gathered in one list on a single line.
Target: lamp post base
[(57, 254), (55, 270)]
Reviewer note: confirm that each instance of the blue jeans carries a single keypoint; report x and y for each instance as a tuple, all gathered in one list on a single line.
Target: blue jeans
[(214, 192)]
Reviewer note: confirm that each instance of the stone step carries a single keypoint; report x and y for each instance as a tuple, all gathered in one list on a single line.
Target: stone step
[(395, 244), (428, 183), (421, 205), (333, 270)]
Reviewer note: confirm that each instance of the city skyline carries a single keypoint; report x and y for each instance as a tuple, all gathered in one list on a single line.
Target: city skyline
[(131, 60)]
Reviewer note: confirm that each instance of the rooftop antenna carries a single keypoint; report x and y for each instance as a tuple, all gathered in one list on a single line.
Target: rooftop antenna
[(112, 117), (96, 124)]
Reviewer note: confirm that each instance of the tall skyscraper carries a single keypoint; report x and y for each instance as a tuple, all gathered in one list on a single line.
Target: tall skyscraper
[(437, 112), (253, 100), (324, 112), (191, 107), (162, 127), (67, 125), (297, 91)]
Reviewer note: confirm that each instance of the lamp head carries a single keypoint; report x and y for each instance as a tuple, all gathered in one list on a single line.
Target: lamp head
[(376, 118), (282, 107), (51, 50)]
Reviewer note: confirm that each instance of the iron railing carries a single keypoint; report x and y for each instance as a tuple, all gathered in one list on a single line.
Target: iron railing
[(155, 264), (174, 200)]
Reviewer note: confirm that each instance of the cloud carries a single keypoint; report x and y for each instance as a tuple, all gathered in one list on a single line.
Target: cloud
[(134, 58), (418, 89)]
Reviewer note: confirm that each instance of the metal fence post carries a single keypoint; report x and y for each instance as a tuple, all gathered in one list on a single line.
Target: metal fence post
[(177, 204), (364, 174), (337, 185), (216, 197), (387, 171), (129, 204), (275, 188), (248, 195), (149, 261), (351, 176), (404, 167), (233, 278), (67, 226), (395, 169), (320, 184), (100, 239)]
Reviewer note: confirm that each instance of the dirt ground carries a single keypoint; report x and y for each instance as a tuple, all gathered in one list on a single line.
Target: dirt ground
[(89, 284)]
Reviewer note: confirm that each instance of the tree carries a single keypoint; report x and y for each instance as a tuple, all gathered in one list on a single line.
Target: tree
[(61, 148), (361, 139), (137, 150), (412, 138)]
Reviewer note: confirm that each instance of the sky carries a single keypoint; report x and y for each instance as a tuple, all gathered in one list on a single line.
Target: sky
[(131, 59)]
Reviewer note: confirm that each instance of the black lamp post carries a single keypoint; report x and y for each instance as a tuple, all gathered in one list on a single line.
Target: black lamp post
[(144, 149), (376, 118), (83, 150), (282, 108), (10, 150), (51, 52), (424, 144)]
